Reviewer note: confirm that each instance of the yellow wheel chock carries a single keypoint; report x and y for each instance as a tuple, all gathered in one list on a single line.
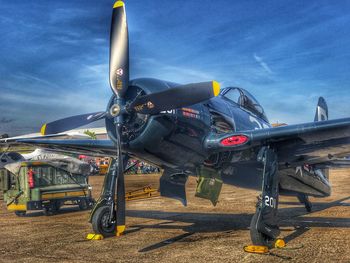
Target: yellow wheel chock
[(264, 250), (256, 249), (120, 230), (279, 243), (94, 237)]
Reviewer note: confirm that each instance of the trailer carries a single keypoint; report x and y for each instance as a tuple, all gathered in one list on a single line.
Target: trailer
[(45, 185)]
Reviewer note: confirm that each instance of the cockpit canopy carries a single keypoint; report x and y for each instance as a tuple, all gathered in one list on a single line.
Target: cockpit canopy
[(245, 100)]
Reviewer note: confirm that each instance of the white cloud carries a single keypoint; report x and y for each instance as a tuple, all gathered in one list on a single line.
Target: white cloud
[(262, 63)]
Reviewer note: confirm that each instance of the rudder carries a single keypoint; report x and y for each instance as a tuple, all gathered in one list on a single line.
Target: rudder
[(321, 110)]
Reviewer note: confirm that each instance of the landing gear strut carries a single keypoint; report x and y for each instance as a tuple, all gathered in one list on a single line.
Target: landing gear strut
[(108, 215), (304, 199), (263, 226)]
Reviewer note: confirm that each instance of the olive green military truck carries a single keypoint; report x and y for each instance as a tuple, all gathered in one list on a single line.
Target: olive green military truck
[(45, 185)]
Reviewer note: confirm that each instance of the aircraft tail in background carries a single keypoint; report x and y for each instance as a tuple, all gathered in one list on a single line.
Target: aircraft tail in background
[(321, 110)]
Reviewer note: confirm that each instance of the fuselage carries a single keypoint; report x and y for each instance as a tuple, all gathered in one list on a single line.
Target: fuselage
[(175, 138)]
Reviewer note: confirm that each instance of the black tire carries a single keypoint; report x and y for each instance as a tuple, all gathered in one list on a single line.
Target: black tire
[(56, 206), (100, 223), (258, 238), (20, 213), (47, 211), (50, 209), (83, 205)]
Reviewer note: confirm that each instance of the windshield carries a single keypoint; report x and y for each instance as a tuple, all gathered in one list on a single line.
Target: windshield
[(246, 101), (251, 104), (48, 176)]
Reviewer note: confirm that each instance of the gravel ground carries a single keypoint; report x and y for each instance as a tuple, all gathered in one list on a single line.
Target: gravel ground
[(161, 230)]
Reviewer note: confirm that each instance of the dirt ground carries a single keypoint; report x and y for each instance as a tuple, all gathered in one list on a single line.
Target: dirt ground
[(161, 230)]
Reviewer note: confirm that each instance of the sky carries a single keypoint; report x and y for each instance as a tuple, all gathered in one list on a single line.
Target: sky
[(54, 54)]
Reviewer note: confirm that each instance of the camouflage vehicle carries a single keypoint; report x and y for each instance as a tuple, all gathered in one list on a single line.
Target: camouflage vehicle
[(45, 185)]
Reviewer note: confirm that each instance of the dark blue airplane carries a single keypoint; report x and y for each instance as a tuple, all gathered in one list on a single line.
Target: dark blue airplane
[(221, 136)]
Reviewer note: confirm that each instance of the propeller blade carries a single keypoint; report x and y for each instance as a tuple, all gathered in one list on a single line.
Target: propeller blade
[(120, 196), (119, 51), (122, 161), (174, 98), (70, 123)]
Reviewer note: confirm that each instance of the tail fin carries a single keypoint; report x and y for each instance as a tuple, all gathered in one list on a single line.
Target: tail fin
[(321, 110)]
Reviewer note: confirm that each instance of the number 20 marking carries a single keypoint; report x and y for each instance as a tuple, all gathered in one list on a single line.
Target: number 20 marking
[(270, 201)]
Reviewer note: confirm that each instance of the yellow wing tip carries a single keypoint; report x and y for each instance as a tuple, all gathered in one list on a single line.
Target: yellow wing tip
[(43, 129), (216, 88), (118, 4)]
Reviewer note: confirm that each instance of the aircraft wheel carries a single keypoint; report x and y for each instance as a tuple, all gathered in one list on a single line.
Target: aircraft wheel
[(258, 238), (100, 223), (20, 213)]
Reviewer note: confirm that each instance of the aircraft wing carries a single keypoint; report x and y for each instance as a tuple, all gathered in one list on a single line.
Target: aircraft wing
[(66, 135), (80, 146), (74, 141), (314, 142)]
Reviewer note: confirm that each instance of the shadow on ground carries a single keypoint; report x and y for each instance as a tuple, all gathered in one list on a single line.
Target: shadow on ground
[(290, 219)]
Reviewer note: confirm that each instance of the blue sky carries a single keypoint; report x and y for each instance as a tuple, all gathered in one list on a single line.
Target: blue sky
[(54, 54)]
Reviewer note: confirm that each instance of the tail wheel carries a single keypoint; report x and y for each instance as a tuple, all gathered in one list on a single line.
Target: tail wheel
[(258, 238), (100, 222)]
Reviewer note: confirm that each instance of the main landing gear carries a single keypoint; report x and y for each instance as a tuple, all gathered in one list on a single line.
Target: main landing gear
[(263, 226), (108, 215)]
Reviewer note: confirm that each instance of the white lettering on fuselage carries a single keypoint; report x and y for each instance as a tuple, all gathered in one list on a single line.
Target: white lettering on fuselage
[(168, 111)]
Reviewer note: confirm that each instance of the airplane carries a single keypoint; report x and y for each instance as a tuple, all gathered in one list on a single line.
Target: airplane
[(14, 152), (197, 129)]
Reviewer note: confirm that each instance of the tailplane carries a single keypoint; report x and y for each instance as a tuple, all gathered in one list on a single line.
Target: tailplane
[(321, 110)]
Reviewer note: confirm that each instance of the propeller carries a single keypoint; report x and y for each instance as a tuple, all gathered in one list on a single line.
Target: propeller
[(154, 103)]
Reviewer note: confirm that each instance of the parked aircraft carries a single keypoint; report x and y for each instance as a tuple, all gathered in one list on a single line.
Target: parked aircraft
[(197, 129)]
